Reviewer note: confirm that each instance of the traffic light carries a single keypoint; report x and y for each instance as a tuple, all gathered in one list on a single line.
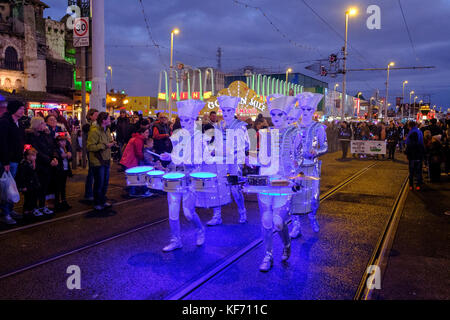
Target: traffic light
[(323, 71)]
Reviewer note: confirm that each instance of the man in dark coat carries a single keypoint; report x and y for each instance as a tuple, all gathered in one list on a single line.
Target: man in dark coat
[(123, 129), (12, 140), (392, 140)]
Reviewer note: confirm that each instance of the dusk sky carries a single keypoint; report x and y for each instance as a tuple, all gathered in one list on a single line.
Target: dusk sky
[(248, 38)]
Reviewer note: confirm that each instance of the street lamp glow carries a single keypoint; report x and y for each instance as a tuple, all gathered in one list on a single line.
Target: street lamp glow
[(352, 11), (391, 64), (287, 75), (125, 101), (176, 31), (113, 99), (405, 82)]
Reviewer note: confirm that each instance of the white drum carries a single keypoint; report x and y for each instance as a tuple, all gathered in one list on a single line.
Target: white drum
[(154, 179), (175, 182), (204, 181), (137, 176)]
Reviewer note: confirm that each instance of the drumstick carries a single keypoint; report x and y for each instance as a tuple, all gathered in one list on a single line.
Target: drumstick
[(155, 154), (303, 176)]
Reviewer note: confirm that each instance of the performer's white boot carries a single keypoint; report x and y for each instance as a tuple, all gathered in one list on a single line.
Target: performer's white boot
[(175, 241), (296, 231), (239, 199), (267, 262), (217, 217), (200, 236), (286, 239), (314, 223), (195, 219), (243, 216)]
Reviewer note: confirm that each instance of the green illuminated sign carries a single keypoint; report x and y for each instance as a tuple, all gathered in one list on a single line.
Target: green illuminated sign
[(78, 83)]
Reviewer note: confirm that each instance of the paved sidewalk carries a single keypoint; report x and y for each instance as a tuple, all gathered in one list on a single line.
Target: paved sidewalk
[(419, 264)]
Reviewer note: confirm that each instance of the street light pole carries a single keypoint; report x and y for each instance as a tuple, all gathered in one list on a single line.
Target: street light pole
[(287, 74), (351, 11), (403, 97), (334, 98), (370, 107), (344, 68), (387, 87), (415, 103), (357, 97), (98, 94), (174, 31), (410, 106), (110, 69)]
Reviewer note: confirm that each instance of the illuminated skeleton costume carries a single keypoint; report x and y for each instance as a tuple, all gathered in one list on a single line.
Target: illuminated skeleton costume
[(228, 105), (274, 208), (188, 111), (314, 141)]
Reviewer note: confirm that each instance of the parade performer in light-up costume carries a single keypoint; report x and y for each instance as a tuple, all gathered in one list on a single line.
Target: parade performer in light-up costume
[(237, 129), (314, 141), (293, 116), (187, 111), (274, 208)]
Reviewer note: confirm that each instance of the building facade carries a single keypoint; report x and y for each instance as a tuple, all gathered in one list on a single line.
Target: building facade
[(32, 53)]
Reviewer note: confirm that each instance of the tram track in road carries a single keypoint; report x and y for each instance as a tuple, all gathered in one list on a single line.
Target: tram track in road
[(198, 282), (380, 254), (82, 248)]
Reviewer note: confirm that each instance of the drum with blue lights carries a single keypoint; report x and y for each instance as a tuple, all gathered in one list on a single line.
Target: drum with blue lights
[(211, 189), (175, 182), (203, 181), (154, 179), (137, 176)]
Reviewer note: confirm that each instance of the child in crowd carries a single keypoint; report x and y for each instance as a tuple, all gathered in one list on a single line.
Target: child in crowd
[(150, 159), (28, 182), (63, 172)]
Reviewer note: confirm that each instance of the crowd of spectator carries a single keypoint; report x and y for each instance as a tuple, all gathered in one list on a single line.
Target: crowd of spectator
[(38, 151), (426, 144)]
